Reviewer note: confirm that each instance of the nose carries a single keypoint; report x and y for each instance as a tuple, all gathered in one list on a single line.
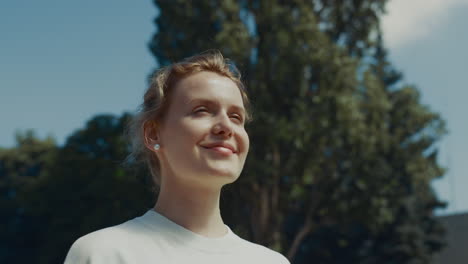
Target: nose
[(223, 126)]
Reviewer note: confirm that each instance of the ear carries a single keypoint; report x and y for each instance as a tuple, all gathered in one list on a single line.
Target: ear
[(151, 135)]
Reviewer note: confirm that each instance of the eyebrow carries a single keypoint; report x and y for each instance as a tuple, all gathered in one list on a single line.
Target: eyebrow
[(211, 102)]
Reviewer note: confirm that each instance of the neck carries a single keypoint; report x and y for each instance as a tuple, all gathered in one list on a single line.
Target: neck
[(196, 209)]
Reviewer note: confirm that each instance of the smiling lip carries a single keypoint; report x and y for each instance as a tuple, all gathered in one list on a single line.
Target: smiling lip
[(222, 148)]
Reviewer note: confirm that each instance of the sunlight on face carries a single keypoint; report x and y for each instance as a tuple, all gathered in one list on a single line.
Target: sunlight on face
[(203, 139)]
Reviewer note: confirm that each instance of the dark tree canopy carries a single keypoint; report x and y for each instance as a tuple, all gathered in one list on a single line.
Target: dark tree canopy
[(83, 186), (20, 167)]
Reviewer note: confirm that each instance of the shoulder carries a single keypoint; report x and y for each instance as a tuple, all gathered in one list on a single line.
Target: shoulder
[(107, 244), (263, 254)]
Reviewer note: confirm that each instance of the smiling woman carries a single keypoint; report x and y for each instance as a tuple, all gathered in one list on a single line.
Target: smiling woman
[(203, 142), (190, 132)]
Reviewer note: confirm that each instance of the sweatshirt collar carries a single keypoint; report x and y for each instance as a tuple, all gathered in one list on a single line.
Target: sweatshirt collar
[(160, 224)]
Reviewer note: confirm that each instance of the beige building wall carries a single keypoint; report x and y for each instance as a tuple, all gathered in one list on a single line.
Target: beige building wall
[(456, 251)]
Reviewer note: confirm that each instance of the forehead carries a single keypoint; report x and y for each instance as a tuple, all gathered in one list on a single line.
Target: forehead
[(207, 86)]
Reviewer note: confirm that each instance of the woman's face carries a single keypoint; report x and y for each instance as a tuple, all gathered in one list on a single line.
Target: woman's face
[(202, 137)]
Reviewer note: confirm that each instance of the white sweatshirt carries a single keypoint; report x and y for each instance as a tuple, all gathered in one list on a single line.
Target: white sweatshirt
[(152, 238)]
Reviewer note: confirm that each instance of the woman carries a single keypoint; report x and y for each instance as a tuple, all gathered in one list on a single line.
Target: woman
[(190, 132)]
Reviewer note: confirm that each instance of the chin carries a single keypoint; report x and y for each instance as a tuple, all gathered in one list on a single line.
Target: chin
[(224, 174), (221, 168)]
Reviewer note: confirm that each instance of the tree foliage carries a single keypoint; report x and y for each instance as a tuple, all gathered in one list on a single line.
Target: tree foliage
[(20, 167), (82, 188), (341, 148)]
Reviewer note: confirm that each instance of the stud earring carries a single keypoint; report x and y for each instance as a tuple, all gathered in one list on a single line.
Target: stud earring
[(156, 147)]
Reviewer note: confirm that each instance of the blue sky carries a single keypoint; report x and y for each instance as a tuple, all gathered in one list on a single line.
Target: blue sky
[(427, 40), (62, 62)]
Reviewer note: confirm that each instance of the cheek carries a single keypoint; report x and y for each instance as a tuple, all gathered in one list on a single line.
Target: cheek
[(187, 134), (244, 139), (175, 137)]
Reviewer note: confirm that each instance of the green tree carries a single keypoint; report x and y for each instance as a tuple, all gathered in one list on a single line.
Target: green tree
[(85, 188), (20, 167), (341, 148)]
